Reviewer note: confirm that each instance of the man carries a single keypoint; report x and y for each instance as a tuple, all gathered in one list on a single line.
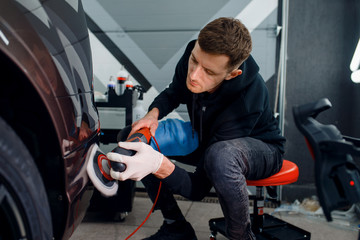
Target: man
[(228, 105)]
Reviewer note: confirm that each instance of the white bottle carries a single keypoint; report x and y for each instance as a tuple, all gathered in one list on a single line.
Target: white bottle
[(139, 111), (129, 84), (111, 83)]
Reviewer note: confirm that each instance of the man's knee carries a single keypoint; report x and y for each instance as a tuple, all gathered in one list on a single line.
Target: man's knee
[(215, 157), (222, 158)]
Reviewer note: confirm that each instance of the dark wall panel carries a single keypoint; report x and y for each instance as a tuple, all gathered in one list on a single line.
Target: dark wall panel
[(321, 40)]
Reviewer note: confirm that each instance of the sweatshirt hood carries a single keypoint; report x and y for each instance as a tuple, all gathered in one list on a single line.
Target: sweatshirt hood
[(227, 92), (250, 71)]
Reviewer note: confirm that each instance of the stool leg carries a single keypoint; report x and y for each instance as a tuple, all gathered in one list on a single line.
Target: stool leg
[(213, 227), (258, 214), (212, 236)]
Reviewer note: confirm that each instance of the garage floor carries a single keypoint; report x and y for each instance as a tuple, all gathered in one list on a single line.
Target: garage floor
[(198, 214)]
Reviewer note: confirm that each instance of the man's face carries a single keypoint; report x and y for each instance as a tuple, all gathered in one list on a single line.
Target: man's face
[(206, 71)]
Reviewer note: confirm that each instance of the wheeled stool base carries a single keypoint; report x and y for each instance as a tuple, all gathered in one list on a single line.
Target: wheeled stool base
[(273, 228)]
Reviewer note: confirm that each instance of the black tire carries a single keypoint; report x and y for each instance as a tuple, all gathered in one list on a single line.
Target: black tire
[(24, 207)]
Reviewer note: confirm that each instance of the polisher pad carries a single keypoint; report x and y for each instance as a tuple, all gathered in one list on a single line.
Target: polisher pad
[(99, 172)]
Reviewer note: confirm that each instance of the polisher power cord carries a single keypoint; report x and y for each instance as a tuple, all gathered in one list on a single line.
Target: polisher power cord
[(153, 206)]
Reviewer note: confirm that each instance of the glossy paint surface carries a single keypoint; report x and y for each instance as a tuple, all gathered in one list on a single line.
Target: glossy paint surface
[(49, 42)]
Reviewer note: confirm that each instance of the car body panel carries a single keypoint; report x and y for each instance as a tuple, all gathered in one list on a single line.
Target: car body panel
[(48, 41)]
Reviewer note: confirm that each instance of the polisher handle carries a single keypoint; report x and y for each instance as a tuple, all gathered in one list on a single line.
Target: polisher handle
[(142, 135), (120, 167)]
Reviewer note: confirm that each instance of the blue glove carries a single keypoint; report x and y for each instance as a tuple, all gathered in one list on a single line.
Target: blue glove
[(175, 138)]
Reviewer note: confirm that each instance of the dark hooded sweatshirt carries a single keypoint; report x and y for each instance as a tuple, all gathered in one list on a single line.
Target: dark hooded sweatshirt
[(238, 108)]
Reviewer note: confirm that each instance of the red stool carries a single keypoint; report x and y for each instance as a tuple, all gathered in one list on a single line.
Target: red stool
[(266, 226)]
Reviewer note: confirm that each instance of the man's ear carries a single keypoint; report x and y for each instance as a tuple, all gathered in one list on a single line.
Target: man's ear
[(233, 73)]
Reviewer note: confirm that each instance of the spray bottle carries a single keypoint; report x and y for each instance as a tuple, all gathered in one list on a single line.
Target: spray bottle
[(139, 111)]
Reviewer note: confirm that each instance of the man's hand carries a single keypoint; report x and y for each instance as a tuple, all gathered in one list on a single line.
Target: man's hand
[(150, 120), (145, 161)]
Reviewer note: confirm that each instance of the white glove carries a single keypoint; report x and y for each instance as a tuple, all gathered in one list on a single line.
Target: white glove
[(145, 161)]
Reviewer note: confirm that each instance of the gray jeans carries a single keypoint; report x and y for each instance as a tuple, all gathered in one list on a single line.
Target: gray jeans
[(227, 165)]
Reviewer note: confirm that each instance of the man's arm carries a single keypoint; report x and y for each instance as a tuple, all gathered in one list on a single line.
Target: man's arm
[(150, 120), (147, 161), (144, 162), (166, 168)]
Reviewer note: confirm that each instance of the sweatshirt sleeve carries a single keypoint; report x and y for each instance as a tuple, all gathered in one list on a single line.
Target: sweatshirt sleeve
[(175, 93), (193, 186)]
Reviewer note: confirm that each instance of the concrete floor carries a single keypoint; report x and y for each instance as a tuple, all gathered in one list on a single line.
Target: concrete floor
[(198, 214)]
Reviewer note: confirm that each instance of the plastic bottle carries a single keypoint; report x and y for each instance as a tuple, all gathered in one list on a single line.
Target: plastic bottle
[(111, 88), (139, 111), (111, 83), (121, 79), (129, 84)]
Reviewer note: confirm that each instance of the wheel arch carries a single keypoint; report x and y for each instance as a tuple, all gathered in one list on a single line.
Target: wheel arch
[(23, 108)]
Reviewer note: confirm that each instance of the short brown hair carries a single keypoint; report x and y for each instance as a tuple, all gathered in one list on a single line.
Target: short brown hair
[(226, 36)]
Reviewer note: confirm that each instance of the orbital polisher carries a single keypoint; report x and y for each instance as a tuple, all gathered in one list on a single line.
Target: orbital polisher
[(98, 167)]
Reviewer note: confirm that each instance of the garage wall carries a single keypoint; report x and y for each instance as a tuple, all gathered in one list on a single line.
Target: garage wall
[(149, 37)]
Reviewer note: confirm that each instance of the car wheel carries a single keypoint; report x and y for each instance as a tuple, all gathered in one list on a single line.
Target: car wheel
[(24, 208)]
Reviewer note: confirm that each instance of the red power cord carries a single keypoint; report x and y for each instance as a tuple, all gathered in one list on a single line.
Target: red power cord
[(153, 206)]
